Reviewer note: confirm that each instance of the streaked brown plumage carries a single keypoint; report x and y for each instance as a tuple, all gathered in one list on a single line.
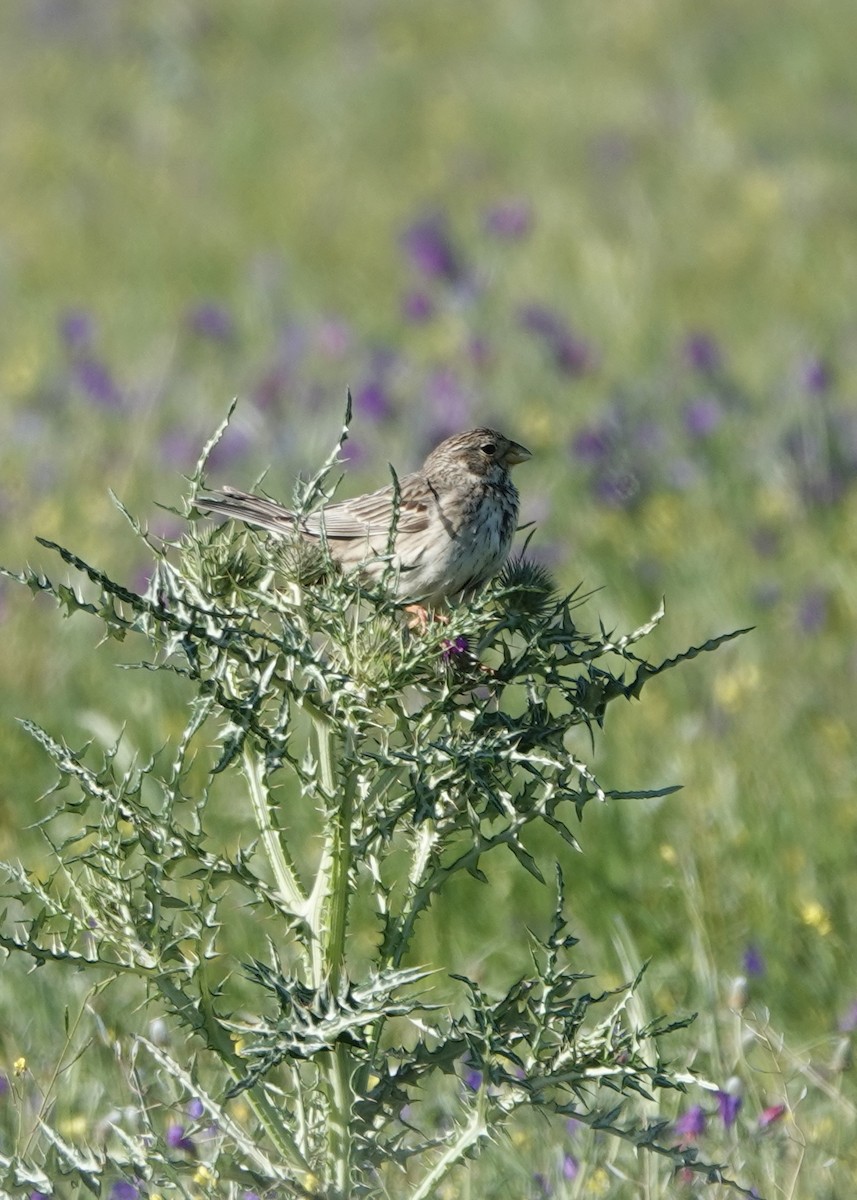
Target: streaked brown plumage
[(456, 520)]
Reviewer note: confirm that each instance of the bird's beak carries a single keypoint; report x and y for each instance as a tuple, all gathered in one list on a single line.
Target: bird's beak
[(516, 454)]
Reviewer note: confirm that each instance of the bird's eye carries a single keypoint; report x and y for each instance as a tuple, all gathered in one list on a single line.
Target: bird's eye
[(488, 448)]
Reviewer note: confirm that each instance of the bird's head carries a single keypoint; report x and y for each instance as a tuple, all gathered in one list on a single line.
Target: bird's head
[(482, 453)]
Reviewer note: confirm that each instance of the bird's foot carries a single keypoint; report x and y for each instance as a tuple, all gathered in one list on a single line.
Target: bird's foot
[(419, 617)]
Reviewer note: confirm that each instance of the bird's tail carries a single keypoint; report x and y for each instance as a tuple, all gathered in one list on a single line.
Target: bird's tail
[(254, 510)]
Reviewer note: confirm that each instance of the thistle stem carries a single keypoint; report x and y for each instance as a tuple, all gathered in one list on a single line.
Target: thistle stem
[(329, 902)]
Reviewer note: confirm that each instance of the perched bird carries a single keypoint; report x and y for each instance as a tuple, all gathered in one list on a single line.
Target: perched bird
[(454, 522)]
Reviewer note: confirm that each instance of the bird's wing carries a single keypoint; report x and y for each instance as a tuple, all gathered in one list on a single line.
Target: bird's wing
[(371, 515), (242, 506)]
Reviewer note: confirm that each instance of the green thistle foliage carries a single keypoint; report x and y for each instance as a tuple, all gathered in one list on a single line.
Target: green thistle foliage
[(409, 757)]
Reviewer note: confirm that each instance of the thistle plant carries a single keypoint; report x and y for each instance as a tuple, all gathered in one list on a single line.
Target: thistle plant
[(365, 765)]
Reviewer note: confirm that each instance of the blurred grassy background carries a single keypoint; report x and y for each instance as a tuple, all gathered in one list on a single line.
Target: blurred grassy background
[(648, 213)]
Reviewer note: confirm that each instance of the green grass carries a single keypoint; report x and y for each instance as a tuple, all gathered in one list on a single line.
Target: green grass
[(689, 169)]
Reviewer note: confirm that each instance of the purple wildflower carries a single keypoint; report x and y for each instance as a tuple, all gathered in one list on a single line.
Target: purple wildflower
[(232, 446), (570, 1167), (122, 1189), (372, 401), (510, 220), (77, 329), (473, 1080), (815, 376), (592, 444), (728, 1106), (417, 307), (542, 1184), (95, 380), (177, 1139), (848, 1021), (569, 353), (770, 1115), (702, 416), (753, 960), (428, 246), (812, 611), (354, 452), (195, 1108), (209, 320), (691, 1124), (702, 353)]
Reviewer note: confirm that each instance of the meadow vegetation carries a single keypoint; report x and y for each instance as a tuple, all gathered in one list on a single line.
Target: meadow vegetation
[(627, 237)]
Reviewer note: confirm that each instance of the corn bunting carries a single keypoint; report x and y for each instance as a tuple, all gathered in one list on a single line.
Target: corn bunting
[(453, 529)]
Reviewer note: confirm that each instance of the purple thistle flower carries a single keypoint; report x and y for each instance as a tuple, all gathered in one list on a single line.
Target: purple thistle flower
[(428, 246), (417, 307), (213, 321), (371, 401), (77, 329), (815, 376), (473, 1080), (753, 960), (728, 1106), (96, 382), (454, 647), (691, 1124), (702, 353), (177, 1139), (509, 220), (617, 488), (195, 1108), (770, 1115), (702, 416), (122, 1189)]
